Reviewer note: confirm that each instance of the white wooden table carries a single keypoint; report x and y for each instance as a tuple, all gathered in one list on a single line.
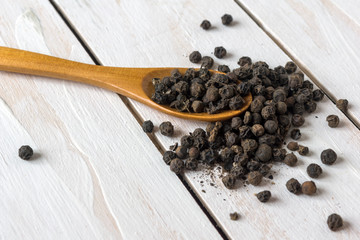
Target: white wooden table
[(97, 175)]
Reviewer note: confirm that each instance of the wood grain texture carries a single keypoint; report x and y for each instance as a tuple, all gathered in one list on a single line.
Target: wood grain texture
[(95, 175), (322, 37), (163, 33)]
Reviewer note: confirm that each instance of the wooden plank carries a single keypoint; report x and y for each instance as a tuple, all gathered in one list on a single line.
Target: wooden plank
[(97, 174), (153, 33), (350, 8), (322, 38)]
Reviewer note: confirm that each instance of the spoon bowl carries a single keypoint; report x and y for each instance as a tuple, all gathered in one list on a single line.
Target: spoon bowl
[(135, 83)]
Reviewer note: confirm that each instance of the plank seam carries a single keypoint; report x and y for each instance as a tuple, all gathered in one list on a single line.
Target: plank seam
[(297, 61), (139, 119)]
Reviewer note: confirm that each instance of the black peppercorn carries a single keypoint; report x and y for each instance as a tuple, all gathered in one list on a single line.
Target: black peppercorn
[(25, 152), (290, 159), (223, 68), (290, 67), (293, 186), (234, 216), (308, 188), (229, 181), (191, 164), (168, 156), (207, 62), (166, 129), (328, 156), (333, 121), (293, 146), (264, 196), (195, 57), (176, 165), (342, 104), (318, 95), (254, 178), (244, 61), (263, 153), (314, 170), (334, 222), (303, 151), (297, 120), (205, 25), (148, 126), (226, 19), (258, 130), (295, 134), (220, 52)]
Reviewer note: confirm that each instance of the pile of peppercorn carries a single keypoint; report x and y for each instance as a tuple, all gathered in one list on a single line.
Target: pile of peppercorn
[(246, 145)]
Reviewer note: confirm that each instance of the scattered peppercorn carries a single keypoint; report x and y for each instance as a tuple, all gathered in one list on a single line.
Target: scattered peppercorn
[(195, 57), (220, 52), (293, 186), (342, 104), (191, 164), (314, 170), (255, 178), (295, 134), (229, 181), (328, 156), (223, 68), (293, 146), (226, 19), (290, 159), (207, 63), (308, 188), (333, 121), (244, 61), (168, 156), (303, 150), (334, 222), (176, 165), (25, 152), (166, 129), (148, 126), (234, 216), (264, 196), (297, 120), (290, 67), (205, 24)]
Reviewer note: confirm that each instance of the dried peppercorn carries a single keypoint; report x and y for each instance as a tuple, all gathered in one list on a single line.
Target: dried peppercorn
[(176, 165), (195, 57), (308, 188), (254, 178), (314, 170), (342, 104), (263, 153), (290, 159), (25, 152), (258, 130), (333, 121), (223, 68), (181, 152), (295, 134), (226, 19), (328, 156), (191, 164), (187, 141), (229, 181), (148, 126), (244, 61), (271, 126), (318, 95), (290, 67), (234, 216), (207, 62), (293, 146), (194, 152), (303, 150), (279, 154), (297, 120), (166, 128), (334, 222), (205, 24), (293, 186), (264, 196), (168, 156), (197, 106), (220, 52)]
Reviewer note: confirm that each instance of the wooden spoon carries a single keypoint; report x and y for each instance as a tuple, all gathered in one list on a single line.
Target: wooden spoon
[(135, 83)]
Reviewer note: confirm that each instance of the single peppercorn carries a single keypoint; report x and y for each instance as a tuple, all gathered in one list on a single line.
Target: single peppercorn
[(258, 130), (25, 152), (308, 188), (342, 104), (234, 216), (318, 95), (176, 165), (290, 67), (226, 19), (314, 170), (263, 153), (334, 222), (205, 24), (207, 62), (254, 178), (290, 159), (194, 152), (220, 52), (295, 134), (328, 156), (293, 186), (333, 121), (148, 126), (297, 120), (195, 57), (168, 156), (303, 150), (191, 164), (223, 68), (264, 196), (166, 129), (244, 61), (293, 146), (229, 181)]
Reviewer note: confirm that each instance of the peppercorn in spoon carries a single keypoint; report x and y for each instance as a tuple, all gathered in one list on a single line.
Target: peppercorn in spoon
[(135, 83)]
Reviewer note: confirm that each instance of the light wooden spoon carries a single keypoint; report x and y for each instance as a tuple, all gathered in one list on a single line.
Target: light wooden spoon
[(135, 83)]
